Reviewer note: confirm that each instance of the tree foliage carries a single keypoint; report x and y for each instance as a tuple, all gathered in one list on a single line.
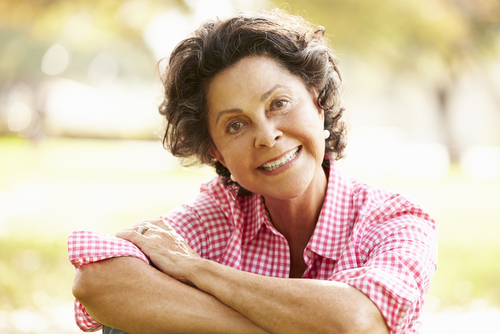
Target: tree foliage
[(28, 28), (439, 39), (403, 30)]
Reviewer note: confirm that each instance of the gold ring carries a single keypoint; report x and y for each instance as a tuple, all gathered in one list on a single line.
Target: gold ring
[(143, 229)]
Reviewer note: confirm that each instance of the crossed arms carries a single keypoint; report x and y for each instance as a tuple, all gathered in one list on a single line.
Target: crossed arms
[(188, 294)]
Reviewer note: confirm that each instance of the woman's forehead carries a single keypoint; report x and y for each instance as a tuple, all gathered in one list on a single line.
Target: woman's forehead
[(251, 65), (252, 77)]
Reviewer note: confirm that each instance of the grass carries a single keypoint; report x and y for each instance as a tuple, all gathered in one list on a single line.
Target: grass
[(50, 188), (34, 272)]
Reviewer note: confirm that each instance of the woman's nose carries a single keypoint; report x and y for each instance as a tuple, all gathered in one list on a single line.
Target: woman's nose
[(267, 135)]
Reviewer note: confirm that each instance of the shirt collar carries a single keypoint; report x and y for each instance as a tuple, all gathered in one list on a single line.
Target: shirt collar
[(332, 229), (256, 218), (248, 213)]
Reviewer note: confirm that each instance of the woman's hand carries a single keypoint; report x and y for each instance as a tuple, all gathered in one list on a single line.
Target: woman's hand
[(168, 251)]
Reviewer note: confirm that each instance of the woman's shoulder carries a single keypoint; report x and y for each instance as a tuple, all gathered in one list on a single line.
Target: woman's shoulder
[(369, 196), (366, 194), (379, 207)]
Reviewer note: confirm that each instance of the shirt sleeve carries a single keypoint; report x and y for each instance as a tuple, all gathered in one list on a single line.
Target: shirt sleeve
[(86, 247), (400, 259)]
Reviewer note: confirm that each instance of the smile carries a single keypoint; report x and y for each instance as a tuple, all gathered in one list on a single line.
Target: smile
[(270, 166)]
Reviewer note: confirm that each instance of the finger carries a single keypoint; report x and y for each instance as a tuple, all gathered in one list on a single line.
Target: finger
[(135, 227), (145, 225), (161, 223), (143, 228), (130, 235), (153, 221), (128, 228)]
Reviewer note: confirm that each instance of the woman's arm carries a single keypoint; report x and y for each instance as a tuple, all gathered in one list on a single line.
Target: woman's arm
[(275, 304), (128, 294), (290, 305)]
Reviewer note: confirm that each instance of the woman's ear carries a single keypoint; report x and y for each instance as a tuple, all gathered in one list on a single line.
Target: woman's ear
[(213, 151), (315, 94)]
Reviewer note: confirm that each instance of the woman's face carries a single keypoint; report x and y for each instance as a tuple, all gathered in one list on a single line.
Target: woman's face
[(266, 127)]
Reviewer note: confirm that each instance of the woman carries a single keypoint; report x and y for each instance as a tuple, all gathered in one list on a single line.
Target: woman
[(257, 97)]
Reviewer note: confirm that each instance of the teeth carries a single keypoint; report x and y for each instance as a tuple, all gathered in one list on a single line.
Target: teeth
[(280, 162)]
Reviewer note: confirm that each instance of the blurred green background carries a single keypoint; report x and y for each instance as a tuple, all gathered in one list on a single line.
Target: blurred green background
[(79, 147)]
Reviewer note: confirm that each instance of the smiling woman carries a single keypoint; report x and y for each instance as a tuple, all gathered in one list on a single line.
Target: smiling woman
[(257, 97), (279, 134)]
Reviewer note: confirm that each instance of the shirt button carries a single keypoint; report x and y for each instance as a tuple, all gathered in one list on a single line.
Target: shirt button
[(309, 253)]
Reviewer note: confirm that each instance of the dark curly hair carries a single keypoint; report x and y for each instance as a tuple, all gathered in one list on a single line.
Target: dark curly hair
[(219, 44)]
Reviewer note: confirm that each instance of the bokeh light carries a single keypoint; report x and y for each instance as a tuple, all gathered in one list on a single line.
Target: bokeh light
[(19, 117), (56, 60), (103, 69)]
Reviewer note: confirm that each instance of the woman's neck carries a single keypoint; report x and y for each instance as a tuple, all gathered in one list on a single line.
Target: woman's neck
[(296, 218)]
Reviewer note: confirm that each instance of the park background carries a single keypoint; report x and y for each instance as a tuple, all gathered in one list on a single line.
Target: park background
[(79, 145)]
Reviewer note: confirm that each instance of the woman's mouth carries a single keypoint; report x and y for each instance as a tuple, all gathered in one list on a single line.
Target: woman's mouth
[(270, 166)]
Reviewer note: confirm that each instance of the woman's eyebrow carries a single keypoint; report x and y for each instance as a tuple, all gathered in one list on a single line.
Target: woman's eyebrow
[(269, 92), (227, 111)]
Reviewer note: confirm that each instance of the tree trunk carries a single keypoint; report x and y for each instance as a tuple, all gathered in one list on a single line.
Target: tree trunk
[(445, 119)]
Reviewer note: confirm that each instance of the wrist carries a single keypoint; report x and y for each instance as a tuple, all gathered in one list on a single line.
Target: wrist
[(199, 270)]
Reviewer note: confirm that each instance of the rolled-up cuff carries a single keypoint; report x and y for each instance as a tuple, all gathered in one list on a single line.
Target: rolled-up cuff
[(395, 299), (86, 247)]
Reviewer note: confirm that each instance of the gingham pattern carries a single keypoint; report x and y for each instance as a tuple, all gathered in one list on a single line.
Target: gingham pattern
[(366, 237), (87, 247)]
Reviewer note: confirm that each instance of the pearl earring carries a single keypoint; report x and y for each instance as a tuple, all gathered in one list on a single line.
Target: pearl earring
[(232, 178), (327, 134)]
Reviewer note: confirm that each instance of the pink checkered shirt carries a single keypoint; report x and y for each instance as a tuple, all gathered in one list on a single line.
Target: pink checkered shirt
[(371, 239)]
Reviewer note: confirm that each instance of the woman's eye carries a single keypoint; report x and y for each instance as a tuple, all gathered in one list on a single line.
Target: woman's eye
[(278, 104), (234, 126)]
